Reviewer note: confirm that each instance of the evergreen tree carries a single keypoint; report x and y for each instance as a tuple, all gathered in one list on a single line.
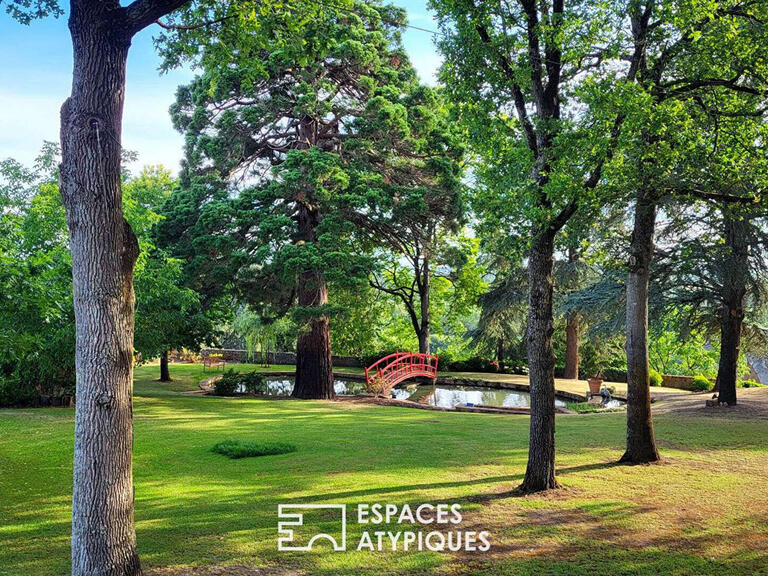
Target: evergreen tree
[(294, 152)]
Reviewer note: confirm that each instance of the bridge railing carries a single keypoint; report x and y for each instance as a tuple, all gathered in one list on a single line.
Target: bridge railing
[(400, 366)]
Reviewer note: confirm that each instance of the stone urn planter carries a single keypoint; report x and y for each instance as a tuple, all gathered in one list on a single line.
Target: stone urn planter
[(595, 385)]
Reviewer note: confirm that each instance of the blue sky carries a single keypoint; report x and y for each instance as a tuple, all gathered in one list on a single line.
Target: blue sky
[(36, 75)]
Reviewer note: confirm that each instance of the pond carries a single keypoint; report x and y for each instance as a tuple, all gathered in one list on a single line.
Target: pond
[(446, 396), (283, 386)]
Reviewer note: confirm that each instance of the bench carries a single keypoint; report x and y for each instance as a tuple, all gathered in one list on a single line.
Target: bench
[(213, 362)]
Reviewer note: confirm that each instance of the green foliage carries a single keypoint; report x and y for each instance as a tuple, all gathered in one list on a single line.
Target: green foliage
[(601, 355), (15, 393), (236, 449), (233, 382), (281, 135), (25, 11), (168, 315), (672, 351), (701, 384), (264, 335), (654, 378), (750, 384), (36, 313), (312, 153), (366, 324), (37, 328), (584, 407), (473, 364)]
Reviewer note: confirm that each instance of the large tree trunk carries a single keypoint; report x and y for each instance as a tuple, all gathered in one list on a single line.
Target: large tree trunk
[(104, 250), (572, 347), (540, 473), (734, 280), (424, 329), (165, 374), (314, 366), (641, 444), (424, 340)]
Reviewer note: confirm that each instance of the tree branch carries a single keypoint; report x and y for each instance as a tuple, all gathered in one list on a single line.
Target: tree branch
[(142, 13), (193, 26), (517, 93)]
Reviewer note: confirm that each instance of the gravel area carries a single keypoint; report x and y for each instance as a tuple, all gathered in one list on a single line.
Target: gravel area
[(752, 404)]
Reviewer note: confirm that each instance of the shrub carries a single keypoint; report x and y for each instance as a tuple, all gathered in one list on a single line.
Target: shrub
[(475, 364), (445, 358), (225, 386), (615, 374), (655, 378), (750, 384), (233, 382), (240, 449), (375, 385), (254, 383), (14, 394), (701, 384)]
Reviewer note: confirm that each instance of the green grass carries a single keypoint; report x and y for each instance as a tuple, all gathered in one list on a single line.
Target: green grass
[(244, 449), (703, 511), (584, 407)]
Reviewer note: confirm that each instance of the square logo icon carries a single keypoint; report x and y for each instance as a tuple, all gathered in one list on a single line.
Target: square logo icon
[(295, 536)]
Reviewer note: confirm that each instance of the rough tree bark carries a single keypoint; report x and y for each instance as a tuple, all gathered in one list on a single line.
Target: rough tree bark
[(104, 251), (314, 365), (314, 362), (641, 443), (424, 328), (540, 473), (165, 374), (734, 279)]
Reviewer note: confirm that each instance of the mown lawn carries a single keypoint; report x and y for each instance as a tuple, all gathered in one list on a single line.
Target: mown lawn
[(703, 511)]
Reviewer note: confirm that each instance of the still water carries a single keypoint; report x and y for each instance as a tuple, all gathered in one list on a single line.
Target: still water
[(450, 396), (444, 396), (284, 386)]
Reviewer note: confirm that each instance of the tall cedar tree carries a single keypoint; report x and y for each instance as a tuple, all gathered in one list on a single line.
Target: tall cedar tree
[(284, 146), (528, 59), (407, 200)]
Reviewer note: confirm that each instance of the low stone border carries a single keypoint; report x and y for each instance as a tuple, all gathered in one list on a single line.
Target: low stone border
[(206, 387), (504, 409)]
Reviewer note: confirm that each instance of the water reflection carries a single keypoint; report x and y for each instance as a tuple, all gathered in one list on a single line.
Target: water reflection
[(284, 387), (446, 396)]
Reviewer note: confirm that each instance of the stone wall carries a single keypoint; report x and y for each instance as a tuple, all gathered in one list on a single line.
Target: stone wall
[(674, 381), (241, 356)]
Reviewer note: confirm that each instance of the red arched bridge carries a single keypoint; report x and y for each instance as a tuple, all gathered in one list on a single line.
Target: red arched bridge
[(395, 368)]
